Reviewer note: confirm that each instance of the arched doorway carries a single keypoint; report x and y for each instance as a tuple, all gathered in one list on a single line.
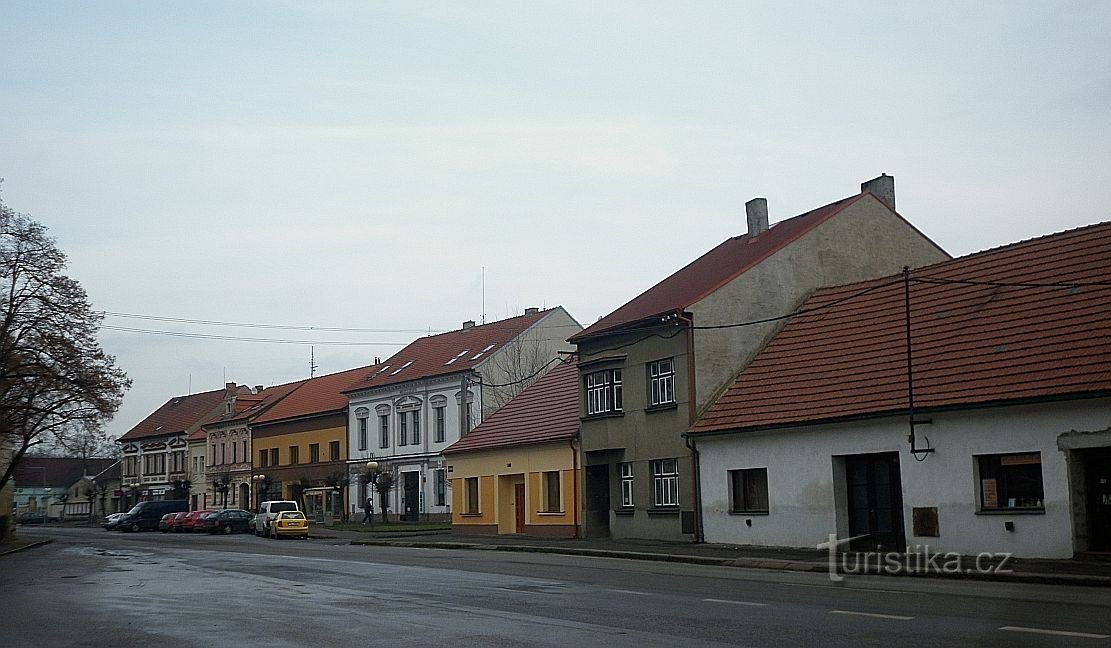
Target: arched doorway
[(244, 496)]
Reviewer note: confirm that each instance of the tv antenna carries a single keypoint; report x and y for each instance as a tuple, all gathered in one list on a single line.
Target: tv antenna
[(312, 361)]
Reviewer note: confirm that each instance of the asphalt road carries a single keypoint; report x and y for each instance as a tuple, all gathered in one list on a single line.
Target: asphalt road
[(95, 588)]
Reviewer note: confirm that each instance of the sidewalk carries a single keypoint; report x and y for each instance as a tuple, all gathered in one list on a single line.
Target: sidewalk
[(21, 541), (1059, 572)]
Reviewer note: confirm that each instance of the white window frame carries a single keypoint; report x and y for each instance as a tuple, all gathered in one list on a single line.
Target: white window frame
[(440, 416), (665, 483), (661, 381), (604, 392), (362, 416), (627, 481)]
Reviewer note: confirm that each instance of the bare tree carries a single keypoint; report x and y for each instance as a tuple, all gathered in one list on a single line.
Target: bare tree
[(55, 380), (516, 366)]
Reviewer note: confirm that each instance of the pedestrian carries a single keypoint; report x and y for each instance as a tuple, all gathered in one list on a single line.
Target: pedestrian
[(368, 511)]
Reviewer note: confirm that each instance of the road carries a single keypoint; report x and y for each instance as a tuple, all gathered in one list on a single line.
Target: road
[(95, 588)]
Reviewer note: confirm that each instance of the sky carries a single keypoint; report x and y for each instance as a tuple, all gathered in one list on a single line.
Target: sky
[(404, 167)]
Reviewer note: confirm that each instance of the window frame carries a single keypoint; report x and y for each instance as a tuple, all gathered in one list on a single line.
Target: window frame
[(1005, 470), (665, 483), (746, 501), (661, 383), (628, 481), (440, 415), (603, 393), (552, 481), (314, 453), (383, 431), (402, 430), (294, 455), (334, 451), (415, 431), (472, 496), (440, 486)]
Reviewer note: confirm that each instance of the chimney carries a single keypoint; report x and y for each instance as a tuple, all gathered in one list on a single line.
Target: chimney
[(882, 188), (532, 310), (757, 209), (259, 388), (229, 387), (468, 324)]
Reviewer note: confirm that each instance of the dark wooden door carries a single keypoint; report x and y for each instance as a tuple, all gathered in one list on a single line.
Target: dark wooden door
[(875, 502), (1098, 469), (519, 506), (597, 501), (412, 496)]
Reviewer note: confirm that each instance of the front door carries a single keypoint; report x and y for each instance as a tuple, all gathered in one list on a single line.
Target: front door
[(412, 496), (875, 502), (1098, 469), (597, 501), (519, 506)]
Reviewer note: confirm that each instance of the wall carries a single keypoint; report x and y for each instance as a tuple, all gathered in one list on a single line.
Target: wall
[(502, 468), (803, 504), (864, 241)]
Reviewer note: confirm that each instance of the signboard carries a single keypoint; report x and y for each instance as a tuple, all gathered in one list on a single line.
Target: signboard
[(1020, 459), (991, 493)]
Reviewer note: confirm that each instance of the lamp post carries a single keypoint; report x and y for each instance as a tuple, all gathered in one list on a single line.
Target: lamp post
[(135, 486), (260, 481), (371, 481)]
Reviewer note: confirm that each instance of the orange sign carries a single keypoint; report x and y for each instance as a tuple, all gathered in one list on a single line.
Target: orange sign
[(1020, 459), (991, 493)]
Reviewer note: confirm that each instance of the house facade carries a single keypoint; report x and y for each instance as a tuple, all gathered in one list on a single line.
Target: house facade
[(155, 452), (409, 409), (300, 447), (964, 406), (517, 472), (50, 486), (652, 365)]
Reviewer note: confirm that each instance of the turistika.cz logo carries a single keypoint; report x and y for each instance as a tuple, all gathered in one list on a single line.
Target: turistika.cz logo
[(917, 559)]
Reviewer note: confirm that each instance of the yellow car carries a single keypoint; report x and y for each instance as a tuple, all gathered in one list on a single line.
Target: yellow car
[(290, 523)]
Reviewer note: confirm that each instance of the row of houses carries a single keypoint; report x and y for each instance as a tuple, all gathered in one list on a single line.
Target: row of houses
[(836, 372)]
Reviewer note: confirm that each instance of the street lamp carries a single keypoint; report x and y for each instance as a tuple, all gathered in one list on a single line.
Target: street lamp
[(135, 486), (371, 481), (260, 481)]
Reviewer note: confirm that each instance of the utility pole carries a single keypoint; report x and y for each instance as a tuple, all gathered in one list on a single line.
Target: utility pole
[(312, 361), (464, 424)]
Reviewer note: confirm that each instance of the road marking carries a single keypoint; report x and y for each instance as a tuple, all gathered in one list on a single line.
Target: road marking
[(731, 602), (621, 591), (873, 615), (1059, 633), (840, 588)]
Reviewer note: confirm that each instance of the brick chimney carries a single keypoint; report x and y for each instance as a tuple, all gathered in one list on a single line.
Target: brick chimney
[(468, 324), (882, 188), (757, 210), (532, 310)]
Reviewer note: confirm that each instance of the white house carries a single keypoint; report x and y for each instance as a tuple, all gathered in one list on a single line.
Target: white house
[(411, 407), (1010, 446)]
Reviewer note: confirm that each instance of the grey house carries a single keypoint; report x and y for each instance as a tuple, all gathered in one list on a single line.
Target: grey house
[(651, 366)]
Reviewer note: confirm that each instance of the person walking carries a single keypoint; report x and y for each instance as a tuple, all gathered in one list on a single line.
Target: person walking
[(368, 511)]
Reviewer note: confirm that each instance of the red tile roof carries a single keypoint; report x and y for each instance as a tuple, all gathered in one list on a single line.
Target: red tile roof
[(973, 343), (712, 270), (250, 406), (319, 395), (177, 415), (449, 352), (548, 410)]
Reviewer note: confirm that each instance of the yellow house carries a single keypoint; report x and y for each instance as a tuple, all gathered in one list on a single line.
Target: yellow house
[(518, 471)]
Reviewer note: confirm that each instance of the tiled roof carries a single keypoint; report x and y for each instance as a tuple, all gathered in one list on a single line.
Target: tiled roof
[(177, 415), (548, 410), (250, 406), (56, 471), (973, 343), (447, 353), (712, 270), (319, 395)]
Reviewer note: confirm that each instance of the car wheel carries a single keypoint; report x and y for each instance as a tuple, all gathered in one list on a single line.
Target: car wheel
[(227, 529), (135, 527)]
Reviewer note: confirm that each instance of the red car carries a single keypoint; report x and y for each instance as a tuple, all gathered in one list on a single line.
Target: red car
[(175, 524), (189, 524), (166, 522)]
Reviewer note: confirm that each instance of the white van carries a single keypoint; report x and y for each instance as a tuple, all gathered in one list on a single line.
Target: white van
[(269, 510)]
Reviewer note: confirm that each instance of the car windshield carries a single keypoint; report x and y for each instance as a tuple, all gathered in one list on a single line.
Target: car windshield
[(292, 515), (283, 506), (135, 509)]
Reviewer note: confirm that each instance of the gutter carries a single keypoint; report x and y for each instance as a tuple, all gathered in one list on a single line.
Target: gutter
[(575, 477), (688, 321)]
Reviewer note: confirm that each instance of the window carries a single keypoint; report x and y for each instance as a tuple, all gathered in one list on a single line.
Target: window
[(472, 495), (233, 455), (661, 382), (383, 430), (470, 417), (603, 392), (333, 451), (223, 452), (551, 492), (263, 456), (665, 482), (294, 455), (363, 432), (314, 453), (441, 423), (441, 487), (748, 490), (402, 429), (273, 456), (627, 485), (416, 426), (246, 455), (1011, 481)]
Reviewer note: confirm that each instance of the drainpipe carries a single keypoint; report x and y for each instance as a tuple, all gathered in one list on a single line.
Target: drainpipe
[(575, 478), (691, 408)]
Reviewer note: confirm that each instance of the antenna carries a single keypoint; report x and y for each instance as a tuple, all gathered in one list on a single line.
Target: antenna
[(190, 384), (483, 294), (312, 361)]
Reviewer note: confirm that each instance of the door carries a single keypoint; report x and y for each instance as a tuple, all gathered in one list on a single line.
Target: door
[(597, 501), (1098, 469), (519, 506), (875, 502), (412, 496)]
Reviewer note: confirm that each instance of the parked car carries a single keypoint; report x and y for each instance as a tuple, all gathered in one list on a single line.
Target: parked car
[(33, 517), (269, 510), (175, 524), (290, 523), (166, 522), (146, 515), (227, 521), (111, 521), (189, 523)]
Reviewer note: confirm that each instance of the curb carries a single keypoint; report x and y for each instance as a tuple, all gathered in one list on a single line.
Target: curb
[(745, 563), (30, 545)]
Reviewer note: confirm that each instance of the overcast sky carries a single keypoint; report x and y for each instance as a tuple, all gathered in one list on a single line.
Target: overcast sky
[(357, 165)]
